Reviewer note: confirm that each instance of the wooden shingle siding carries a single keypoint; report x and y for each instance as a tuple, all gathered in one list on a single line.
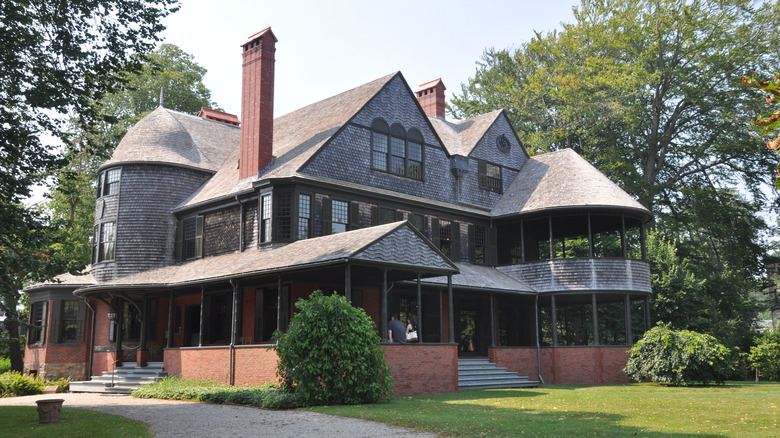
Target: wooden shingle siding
[(563, 275), (145, 226), (250, 226), (221, 232)]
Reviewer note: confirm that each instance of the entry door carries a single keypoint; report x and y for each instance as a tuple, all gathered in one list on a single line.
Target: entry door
[(471, 328)]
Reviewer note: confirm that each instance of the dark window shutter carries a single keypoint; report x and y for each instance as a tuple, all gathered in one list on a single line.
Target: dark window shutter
[(491, 253), (43, 322), (482, 173), (399, 215), (327, 216), (375, 220), (82, 321), (435, 235), (455, 245), (354, 215), (199, 237), (472, 244), (54, 329)]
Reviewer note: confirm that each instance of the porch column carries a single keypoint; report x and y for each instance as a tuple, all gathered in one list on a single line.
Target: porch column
[(642, 239), (202, 318), (522, 240), (595, 312), (169, 341), (492, 320), (348, 282), (450, 310), (627, 309), (120, 316), (419, 310), (383, 307), (590, 238), (234, 314), (554, 321), (550, 230), (279, 302), (142, 354), (623, 239)]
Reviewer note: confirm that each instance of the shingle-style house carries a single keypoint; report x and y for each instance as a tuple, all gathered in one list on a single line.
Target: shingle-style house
[(207, 231)]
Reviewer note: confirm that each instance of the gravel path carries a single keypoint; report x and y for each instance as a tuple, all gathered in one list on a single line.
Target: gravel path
[(170, 418)]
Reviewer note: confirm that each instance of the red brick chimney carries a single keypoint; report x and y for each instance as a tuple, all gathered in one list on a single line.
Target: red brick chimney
[(257, 103), (431, 98)]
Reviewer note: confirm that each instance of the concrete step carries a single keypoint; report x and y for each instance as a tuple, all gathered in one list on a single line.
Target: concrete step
[(482, 374), (123, 380)]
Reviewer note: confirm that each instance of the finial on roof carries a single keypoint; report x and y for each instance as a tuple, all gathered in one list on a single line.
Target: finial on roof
[(161, 96)]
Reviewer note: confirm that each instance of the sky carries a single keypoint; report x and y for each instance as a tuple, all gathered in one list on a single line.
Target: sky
[(327, 47)]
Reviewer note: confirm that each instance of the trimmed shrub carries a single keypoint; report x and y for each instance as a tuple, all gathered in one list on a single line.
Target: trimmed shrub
[(765, 355), (679, 358), (5, 364), (331, 354), (14, 384), (280, 399)]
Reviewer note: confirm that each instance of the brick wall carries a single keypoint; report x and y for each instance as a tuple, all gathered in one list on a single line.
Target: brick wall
[(253, 365), (566, 365), (422, 368)]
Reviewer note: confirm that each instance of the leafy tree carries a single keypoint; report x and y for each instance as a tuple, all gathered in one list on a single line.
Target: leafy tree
[(649, 92), (331, 354), (58, 58), (765, 355), (768, 124), (71, 204), (678, 358)]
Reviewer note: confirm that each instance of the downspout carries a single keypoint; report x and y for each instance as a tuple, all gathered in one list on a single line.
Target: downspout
[(538, 346), (91, 339), (232, 377)]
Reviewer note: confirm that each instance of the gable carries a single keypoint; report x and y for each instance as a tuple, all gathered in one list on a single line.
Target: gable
[(403, 246)]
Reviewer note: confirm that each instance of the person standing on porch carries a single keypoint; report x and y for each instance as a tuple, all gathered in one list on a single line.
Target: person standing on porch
[(395, 330)]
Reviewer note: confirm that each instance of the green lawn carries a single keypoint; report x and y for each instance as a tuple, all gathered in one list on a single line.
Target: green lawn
[(646, 410), (22, 422)]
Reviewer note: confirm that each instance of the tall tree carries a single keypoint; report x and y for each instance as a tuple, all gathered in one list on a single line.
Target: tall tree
[(168, 71), (58, 58), (648, 90)]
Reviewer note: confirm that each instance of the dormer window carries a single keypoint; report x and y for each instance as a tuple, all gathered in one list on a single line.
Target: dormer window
[(490, 177), (396, 150)]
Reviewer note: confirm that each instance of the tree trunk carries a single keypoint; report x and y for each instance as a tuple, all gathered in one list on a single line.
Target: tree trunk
[(14, 347)]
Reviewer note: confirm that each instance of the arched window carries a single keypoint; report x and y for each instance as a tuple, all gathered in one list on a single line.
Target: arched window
[(396, 151)]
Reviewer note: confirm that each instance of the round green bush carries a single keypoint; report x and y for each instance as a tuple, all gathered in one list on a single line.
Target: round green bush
[(679, 358), (14, 384), (331, 354)]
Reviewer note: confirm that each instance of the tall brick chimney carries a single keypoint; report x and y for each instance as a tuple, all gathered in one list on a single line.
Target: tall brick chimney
[(431, 98), (257, 103)]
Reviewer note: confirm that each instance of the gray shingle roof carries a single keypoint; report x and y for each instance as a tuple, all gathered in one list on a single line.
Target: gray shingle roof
[(66, 280), (461, 137), (396, 243), (170, 137), (562, 179), (297, 137), (482, 278)]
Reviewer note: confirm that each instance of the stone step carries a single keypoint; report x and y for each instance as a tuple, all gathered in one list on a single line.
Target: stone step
[(122, 380), (482, 374)]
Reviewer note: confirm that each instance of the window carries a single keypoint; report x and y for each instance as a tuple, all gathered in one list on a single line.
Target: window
[(284, 216), (490, 177), (339, 216), (395, 150), (108, 183), (69, 322), (107, 245), (445, 237), (479, 242), (382, 215), (192, 238), (37, 320), (265, 218), (418, 221), (304, 216)]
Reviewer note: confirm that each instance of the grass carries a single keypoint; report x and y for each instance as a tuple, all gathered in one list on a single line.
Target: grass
[(22, 422), (647, 410)]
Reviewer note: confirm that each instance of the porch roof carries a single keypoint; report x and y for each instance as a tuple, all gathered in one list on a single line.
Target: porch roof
[(396, 246), (485, 278)]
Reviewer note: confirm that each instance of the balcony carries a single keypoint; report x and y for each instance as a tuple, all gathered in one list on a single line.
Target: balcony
[(583, 274)]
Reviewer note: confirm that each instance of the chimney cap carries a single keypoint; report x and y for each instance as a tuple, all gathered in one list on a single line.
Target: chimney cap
[(261, 34), (431, 84), (220, 116)]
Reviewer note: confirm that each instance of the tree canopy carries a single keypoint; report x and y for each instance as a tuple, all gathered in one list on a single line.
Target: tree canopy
[(649, 92), (58, 58)]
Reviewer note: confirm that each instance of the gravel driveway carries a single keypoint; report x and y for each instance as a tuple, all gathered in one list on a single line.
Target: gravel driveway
[(170, 418)]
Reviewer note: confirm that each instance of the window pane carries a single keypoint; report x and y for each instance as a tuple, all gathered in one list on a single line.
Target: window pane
[(397, 147), (70, 314), (304, 216), (379, 142), (284, 215), (415, 170), (415, 151), (111, 185), (265, 219), (397, 165), (379, 161), (340, 216)]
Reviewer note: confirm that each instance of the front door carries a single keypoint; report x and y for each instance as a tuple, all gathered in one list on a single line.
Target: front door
[(472, 327)]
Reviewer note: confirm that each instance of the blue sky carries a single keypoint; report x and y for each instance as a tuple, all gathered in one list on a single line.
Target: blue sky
[(326, 47)]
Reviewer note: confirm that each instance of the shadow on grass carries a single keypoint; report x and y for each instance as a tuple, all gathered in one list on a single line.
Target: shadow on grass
[(499, 413)]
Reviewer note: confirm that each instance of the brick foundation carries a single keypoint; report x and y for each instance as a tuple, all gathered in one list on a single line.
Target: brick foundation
[(566, 365), (422, 368)]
